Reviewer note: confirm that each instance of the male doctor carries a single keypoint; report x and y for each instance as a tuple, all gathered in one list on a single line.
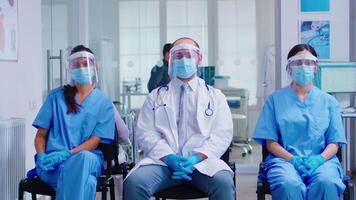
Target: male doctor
[(183, 128)]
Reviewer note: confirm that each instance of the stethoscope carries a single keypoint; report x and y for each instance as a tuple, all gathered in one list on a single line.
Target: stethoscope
[(208, 111)]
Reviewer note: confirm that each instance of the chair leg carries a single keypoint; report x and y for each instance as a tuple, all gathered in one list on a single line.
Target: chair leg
[(112, 189), (21, 192), (34, 197), (345, 196), (260, 194), (349, 191), (349, 195), (104, 195)]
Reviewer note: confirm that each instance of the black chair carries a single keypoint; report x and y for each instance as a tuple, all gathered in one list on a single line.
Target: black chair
[(263, 185), (185, 191), (105, 181)]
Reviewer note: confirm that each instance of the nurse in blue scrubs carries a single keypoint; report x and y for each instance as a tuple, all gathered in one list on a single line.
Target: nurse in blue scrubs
[(70, 124), (302, 129)]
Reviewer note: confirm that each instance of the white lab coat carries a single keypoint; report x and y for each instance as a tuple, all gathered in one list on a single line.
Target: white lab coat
[(157, 129)]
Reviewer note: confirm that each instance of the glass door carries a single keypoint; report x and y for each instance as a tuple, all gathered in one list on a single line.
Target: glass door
[(56, 34)]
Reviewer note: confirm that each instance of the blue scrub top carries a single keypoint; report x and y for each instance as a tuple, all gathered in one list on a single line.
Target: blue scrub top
[(302, 128), (69, 130)]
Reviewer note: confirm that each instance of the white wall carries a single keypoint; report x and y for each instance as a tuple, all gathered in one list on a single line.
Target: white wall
[(21, 81), (289, 28)]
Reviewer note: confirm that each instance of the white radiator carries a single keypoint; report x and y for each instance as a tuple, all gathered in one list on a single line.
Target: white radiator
[(12, 156)]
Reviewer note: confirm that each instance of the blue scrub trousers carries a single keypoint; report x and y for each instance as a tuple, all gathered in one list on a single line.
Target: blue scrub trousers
[(286, 183), (148, 179), (75, 178)]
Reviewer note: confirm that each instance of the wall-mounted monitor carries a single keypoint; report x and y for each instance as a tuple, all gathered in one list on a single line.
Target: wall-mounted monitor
[(336, 77)]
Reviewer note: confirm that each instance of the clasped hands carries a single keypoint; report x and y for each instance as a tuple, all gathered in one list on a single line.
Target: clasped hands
[(48, 162), (181, 166), (307, 165)]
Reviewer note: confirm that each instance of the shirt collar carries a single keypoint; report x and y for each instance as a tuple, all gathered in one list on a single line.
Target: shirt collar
[(192, 84)]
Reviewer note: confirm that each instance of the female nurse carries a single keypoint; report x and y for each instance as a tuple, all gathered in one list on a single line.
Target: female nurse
[(70, 124), (301, 127)]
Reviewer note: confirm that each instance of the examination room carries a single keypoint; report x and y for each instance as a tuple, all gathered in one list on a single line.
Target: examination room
[(177, 99)]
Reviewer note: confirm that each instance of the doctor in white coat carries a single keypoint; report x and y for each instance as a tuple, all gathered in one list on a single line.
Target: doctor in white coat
[(183, 128)]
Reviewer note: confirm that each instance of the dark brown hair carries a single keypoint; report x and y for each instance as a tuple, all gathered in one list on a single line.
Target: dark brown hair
[(70, 91), (301, 47), (166, 48)]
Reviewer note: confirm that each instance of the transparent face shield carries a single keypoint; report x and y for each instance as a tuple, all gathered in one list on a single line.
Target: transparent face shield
[(188, 54), (302, 60), (82, 69), (300, 63)]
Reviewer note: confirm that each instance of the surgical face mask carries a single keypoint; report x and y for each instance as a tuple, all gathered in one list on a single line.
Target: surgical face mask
[(83, 75), (185, 67), (303, 74)]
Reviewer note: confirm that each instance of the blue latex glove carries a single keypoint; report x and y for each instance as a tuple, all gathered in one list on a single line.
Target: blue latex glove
[(311, 163), (191, 161), (174, 162), (297, 162), (55, 158), (32, 173), (181, 176), (39, 160)]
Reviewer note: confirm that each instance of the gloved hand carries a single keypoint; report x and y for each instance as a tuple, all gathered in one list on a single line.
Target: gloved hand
[(55, 158), (181, 176), (39, 160), (297, 162), (174, 162), (311, 163), (191, 161)]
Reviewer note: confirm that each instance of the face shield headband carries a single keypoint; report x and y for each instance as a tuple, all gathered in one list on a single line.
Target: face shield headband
[(82, 69), (302, 60), (183, 53)]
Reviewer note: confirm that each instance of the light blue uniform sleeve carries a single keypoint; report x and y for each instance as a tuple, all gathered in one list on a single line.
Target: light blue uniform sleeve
[(335, 132), (105, 127), (266, 127), (45, 115)]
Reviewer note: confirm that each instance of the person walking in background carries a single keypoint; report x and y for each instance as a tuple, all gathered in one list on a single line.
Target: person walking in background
[(159, 73)]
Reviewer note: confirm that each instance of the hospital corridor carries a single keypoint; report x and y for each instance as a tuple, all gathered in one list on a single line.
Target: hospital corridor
[(177, 99)]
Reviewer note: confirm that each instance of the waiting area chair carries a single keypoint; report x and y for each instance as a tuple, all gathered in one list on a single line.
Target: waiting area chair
[(36, 186), (184, 191), (263, 186)]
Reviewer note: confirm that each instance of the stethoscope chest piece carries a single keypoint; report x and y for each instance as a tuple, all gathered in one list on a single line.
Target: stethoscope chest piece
[(208, 111)]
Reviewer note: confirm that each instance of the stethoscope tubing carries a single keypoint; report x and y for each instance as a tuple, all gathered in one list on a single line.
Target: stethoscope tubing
[(208, 111)]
